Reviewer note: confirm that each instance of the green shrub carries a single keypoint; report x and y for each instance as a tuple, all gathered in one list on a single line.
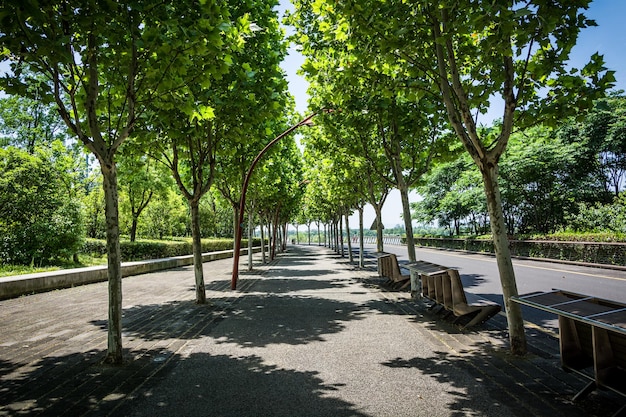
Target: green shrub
[(570, 236), (40, 218), (144, 249), (600, 217)]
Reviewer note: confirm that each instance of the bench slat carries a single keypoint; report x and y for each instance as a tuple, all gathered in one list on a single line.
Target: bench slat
[(389, 268)]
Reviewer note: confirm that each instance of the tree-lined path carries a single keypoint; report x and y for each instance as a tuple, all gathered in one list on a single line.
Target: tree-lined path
[(306, 335)]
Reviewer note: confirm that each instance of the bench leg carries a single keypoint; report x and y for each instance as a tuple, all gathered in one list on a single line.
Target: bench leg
[(482, 316), (446, 313), (585, 391), (405, 284)]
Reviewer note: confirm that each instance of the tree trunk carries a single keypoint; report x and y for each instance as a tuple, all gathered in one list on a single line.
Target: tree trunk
[(235, 224), (513, 311), (250, 232), (274, 236), (326, 234), (408, 224), (350, 256), (114, 263), (361, 240), (380, 247), (133, 228), (197, 251), (340, 235), (264, 259), (319, 237), (269, 239), (268, 227)]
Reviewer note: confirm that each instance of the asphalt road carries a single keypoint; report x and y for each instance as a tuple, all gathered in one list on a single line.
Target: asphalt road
[(479, 274)]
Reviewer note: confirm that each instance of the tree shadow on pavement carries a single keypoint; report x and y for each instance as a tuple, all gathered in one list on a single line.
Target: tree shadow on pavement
[(253, 320), (157, 382), (527, 386), (279, 285), (258, 321), (294, 285), (535, 382), (472, 280), (227, 386)]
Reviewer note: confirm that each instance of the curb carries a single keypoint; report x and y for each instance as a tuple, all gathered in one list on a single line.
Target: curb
[(18, 285)]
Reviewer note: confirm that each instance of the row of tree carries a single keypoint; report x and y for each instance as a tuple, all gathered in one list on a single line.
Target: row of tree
[(50, 200), (194, 86), (408, 82)]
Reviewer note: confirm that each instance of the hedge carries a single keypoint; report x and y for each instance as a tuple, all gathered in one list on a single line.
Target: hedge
[(144, 249), (609, 253)]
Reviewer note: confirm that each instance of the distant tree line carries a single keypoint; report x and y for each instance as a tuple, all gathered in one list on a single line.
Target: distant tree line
[(569, 178)]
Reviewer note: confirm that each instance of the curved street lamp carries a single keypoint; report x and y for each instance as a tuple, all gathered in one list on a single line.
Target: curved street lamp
[(242, 202)]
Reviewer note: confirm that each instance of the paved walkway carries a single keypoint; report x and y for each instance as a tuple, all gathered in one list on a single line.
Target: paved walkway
[(307, 335)]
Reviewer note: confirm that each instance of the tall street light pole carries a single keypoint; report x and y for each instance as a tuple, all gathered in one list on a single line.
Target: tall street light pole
[(242, 202)]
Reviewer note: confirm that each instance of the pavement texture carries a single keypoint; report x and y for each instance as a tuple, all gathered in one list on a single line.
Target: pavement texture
[(305, 335)]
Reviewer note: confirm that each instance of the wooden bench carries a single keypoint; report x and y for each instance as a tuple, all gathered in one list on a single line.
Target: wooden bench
[(388, 267), (477, 311), (443, 287), (592, 335)]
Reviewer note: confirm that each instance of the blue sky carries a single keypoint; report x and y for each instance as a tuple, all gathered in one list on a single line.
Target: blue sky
[(608, 39)]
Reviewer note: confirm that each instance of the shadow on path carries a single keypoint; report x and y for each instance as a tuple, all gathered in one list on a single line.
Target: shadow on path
[(157, 382), (239, 386), (267, 319)]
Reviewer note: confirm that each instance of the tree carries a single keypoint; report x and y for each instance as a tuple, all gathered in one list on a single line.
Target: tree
[(167, 215), (538, 180), (340, 179), (27, 122), (279, 188), (448, 195), (40, 216), (600, 217), (141, 180), (468, 53), (602, 137), (102, 63)]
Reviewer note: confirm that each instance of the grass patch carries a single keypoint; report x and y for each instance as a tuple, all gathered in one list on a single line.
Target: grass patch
[(84, 260), (9, 270)]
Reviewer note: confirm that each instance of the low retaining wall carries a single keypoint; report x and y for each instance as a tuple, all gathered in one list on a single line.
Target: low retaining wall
[(18, 285)]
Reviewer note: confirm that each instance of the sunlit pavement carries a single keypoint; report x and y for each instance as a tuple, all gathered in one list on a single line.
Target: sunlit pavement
[(307, 335)]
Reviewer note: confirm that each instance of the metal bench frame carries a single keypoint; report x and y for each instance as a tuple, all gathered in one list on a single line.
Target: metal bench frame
[(592, 333)]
